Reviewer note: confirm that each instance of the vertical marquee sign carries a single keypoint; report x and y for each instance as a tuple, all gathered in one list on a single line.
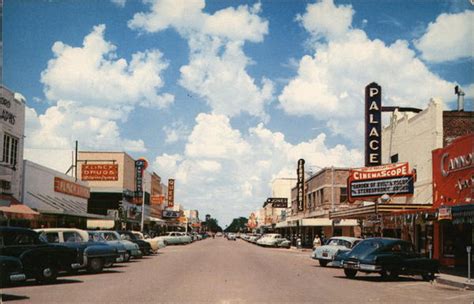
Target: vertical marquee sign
[(373, 125), (140, 166), (170, 193), (300, 185)]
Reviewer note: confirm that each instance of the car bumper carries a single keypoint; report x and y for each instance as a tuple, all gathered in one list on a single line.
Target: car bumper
[(18, 277), (362, 267)]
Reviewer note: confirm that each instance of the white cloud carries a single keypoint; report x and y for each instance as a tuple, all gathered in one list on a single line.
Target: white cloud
[(224, 171), (450, 37), (93, 75), (176, 132), (216, 71), (329, 84), (50, 136), (119, 3)]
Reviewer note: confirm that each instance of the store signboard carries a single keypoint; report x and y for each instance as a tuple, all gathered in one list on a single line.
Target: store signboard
[(444, 213), (373, 125), (157, 199), (99, 172), (71, 188), (453, 173), (300, 185), (171, 214), (170, 193), (373, 182), (140, 165), (278, 202)]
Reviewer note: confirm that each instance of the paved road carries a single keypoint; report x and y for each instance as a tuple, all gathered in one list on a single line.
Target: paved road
[(221, 271)]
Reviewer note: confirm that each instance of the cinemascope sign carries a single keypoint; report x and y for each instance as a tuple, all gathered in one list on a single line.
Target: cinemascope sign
[(373, 182)]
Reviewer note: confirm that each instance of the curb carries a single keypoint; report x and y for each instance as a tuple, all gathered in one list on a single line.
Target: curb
[(462, 285)]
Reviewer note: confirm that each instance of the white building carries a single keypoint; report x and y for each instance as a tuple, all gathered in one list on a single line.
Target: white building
[(12, 131), (411, 138)]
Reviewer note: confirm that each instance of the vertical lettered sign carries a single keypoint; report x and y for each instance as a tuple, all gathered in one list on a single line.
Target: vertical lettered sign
[(373, 125), (170, 193), (300, 185)]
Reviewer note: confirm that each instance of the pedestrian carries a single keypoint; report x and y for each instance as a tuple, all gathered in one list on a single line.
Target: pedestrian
[(323, 239), (316, 241)]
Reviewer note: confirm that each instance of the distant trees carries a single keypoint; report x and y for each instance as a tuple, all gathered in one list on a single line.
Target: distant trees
[(238, 224), (212, 225)]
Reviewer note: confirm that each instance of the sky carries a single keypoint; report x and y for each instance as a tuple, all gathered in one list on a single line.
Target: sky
[(225, 96)]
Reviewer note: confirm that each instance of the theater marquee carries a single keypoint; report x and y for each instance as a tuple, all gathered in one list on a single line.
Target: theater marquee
[(372, 182)]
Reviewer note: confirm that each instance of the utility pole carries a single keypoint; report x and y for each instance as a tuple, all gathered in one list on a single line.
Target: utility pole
[(75, 161), (332, 197)]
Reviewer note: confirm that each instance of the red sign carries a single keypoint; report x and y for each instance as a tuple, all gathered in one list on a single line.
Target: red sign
[(170, 193), (453, 173), (70, 188), (157, 199), (373, 182), (99, 172)]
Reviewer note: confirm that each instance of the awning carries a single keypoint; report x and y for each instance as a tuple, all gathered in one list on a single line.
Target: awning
[(46, 204), (13, 209), (364, 211), (155, 219), (326, 222), (287, 223)]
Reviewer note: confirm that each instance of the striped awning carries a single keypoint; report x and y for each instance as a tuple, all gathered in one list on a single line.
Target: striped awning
[(13, 209), (364, 211)]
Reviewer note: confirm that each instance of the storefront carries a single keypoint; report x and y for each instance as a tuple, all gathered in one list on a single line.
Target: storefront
[(60, 200), (453, 193)]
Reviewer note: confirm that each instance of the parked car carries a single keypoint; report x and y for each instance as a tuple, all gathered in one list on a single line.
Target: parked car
[(145, 247), (92, 256), (176, 238), (269, 240), (219, 234), (124, 256), (388, 257), (11, 270), (41, 261), (284, 243), (132, 249), (326, 253), (155, 243), (231, 237)]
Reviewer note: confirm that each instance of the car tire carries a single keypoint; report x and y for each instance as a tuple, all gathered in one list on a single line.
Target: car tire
[(95, 265), (323, 263), (108, 264), (127, 257), (47, 274), (390, 274), (350, 273), (429, 276)]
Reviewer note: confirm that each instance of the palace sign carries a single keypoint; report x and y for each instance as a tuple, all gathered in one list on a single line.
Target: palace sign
[(373, 125), (373, 182)]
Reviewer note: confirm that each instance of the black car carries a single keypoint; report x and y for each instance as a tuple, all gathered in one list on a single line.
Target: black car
[(11, 270), (387, 256), (92, 256), (145, 247), (41, 261)]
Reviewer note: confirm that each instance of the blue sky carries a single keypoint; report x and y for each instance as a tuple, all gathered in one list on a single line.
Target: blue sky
[(225, 96)]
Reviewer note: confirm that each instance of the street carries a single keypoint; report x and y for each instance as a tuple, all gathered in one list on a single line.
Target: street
[(222, 271)]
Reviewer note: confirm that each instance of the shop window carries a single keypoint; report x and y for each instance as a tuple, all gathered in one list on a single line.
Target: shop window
[(343, 195), (394, 158), (10, 149)]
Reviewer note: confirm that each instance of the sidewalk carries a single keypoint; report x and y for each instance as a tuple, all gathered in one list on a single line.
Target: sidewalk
[(455, 277)]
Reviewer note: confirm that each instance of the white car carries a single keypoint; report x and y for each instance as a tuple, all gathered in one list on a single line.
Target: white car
[(270, 240), (175, 238), (334, 245), (155, 243), (231, 237)]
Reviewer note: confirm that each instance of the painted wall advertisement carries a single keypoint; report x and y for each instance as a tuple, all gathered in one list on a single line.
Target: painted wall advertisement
[(453, 173), (372, 182), (71, 188)]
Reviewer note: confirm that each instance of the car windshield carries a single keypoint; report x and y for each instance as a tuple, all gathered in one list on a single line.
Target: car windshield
[(138, 236), (96, 237), (109, 236)]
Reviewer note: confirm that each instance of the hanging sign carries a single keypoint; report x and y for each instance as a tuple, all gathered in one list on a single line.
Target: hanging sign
[(444, 213), (300, 185), (140, 165), (99, 172), (170, 193), (373, 125), (277, 202)]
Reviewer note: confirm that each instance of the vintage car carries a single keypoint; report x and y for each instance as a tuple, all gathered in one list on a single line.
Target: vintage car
[(231, 237), (269, 240), (11, 270), (124, 256), (41, 261), (145, 247), (155, 243), (284, 243), (92, 256), (113, 236), (387, 256), (176, 238), (326, 253)]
